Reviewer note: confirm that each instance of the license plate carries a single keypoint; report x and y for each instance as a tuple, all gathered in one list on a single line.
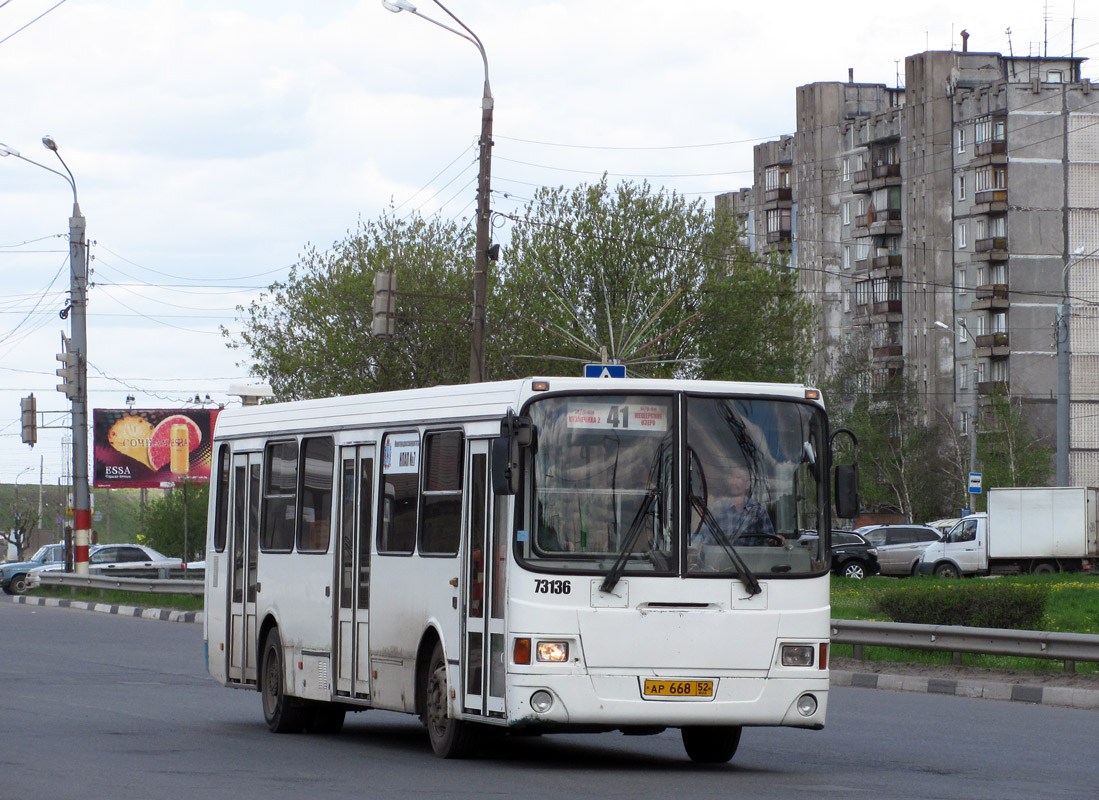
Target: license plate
[(679, 688)]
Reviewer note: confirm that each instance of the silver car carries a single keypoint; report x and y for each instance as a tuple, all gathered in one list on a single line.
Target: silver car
[(899, 546)]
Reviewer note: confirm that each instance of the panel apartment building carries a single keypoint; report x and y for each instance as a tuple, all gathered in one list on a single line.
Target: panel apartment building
[(958, 199)]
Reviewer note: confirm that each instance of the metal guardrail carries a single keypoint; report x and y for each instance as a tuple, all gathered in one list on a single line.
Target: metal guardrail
[(149, 584), (958, 639)]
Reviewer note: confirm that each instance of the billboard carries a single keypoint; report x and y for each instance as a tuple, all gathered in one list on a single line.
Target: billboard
[(148, 449)]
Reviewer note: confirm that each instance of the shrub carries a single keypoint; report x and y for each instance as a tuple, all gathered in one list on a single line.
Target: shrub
[(978, 604)]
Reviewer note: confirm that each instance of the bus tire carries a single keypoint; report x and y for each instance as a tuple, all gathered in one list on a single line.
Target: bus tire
[(450, 738), (711, 745), (284, 714)]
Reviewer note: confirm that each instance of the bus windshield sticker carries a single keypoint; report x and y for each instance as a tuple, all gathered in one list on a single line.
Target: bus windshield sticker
[(637, 417), (402, 454)]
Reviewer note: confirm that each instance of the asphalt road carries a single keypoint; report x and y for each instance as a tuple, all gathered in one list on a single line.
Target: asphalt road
[(100, 706)]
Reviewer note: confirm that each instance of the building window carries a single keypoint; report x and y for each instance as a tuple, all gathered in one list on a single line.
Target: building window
[(999, 370), (982, 324), (961, 281), (961, 236), (846, 212), (862, 293), (998, 226), (961, 187), (991, 177), (960, 136), (1055, 76), (998, 274), (963, 377), (847, 256), (963, 423), (989, 129), (999, 322), (862, 250), (981, 273), (846, 167)]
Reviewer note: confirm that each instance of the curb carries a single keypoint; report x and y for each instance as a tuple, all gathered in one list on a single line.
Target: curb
[(1063, 696), (160, 614)]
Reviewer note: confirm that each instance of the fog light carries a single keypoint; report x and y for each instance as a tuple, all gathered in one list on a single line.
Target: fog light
[(541, 701), (807, 705), (553, 651), (797, 655)]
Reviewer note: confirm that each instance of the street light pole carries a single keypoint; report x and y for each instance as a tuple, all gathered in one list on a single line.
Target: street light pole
[(481, 256), (78, 340)]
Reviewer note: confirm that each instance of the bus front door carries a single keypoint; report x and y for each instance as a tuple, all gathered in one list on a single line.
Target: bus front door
[(353, 567), (483, 645), (244, 546)]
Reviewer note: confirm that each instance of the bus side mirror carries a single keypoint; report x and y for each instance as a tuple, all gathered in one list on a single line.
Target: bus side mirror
[(846, 481), (847, 491), (516, 433)]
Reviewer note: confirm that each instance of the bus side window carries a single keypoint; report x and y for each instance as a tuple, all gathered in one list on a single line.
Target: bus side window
[(315, 512), (441, 515), (279, 495), (400, 492)]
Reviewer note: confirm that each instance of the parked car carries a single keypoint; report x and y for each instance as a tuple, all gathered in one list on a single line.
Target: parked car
[(13, 574), (900, 546), (852, 555), (107, 558)]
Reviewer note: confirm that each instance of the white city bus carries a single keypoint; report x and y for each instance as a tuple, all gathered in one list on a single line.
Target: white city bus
[(533, 555)]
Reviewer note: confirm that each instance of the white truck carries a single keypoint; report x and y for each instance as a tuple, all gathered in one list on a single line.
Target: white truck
[(1027, 530)]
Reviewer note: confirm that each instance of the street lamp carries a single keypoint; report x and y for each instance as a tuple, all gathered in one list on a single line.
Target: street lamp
[(78, 348), (481, 256), (1064, 370), (973, 413)]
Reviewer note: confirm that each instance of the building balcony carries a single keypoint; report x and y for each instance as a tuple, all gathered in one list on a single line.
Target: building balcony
[(891, 264), (991, 249), (990, 201), (860, 181), (888, 352), (781, 235), (986, 388), (886, 311), (776, 198), (991, 297), (885, 175), (993, 148), (992, 345)]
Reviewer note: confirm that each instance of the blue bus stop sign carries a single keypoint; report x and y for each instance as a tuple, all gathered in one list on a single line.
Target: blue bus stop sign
[(604, 370)]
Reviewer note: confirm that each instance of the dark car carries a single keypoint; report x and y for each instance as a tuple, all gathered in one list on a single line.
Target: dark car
[(900, 546), (852, 555)]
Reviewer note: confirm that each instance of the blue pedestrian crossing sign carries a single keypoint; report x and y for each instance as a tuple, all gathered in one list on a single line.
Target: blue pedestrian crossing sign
[(604, 370)]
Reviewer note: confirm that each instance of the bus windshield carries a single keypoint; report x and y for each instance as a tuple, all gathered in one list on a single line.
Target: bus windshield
[(693, 485)]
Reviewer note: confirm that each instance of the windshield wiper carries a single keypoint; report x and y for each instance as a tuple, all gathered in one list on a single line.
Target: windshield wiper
[(730, 550), (619, 565)]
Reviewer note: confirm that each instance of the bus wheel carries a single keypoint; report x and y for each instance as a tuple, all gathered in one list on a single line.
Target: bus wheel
[(450, 738), (283, 714), (325, 718), (711, 745)]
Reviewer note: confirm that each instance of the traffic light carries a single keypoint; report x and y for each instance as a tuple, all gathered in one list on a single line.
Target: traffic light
[(29, 408), (69, 373), (385, 304)]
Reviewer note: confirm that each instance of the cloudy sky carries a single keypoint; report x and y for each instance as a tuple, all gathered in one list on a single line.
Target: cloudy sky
[(213, 141)]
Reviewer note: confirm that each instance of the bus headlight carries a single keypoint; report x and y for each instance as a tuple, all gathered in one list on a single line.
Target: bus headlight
[(555, 652), (541, 701), (797, 655)]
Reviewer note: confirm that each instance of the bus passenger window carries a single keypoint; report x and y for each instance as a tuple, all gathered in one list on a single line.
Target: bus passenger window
[(442, 496), (400, 492), (316, 495), (280, 489)]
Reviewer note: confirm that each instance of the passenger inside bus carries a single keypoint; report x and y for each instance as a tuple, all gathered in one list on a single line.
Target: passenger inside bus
[(741, 517)]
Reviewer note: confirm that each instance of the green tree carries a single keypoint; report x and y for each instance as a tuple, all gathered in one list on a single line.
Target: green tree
[(646, 278), (1008, 452), (169, 520), (904, 467), (310, 335)]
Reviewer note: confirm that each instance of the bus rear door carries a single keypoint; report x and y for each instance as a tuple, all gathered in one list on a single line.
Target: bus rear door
[(353, 565), (243, 545)]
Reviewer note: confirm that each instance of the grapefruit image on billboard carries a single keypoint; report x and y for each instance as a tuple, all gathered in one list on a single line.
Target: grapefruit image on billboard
[(151, 448)]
